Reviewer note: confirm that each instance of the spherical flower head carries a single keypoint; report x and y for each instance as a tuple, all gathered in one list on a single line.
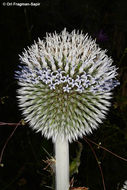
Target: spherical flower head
[(65, 85)]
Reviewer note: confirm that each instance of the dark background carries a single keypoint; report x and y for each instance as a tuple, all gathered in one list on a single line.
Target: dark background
[(23, 157)]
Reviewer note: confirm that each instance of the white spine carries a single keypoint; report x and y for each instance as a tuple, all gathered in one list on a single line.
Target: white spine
[(62, 164)]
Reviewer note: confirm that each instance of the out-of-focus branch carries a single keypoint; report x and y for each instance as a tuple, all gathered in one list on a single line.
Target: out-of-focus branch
[(10, 136), (98, 162), (99, 146), (22, 122)]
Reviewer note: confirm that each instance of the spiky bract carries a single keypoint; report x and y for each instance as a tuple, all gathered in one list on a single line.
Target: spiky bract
[(124, 186), (65, 85)]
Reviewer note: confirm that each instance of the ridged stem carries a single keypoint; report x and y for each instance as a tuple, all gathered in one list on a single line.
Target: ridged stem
[(62, 164)]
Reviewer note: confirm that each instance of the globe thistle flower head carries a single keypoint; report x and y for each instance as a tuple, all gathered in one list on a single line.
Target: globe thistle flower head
[(65, 85)]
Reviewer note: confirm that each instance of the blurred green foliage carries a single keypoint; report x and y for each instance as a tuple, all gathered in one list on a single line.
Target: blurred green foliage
[(23, 167)]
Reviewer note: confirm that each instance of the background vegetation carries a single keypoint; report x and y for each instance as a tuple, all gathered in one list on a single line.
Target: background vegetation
[(23, 167)]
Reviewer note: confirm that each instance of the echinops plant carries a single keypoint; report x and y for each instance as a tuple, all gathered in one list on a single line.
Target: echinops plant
[(66, 84)]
